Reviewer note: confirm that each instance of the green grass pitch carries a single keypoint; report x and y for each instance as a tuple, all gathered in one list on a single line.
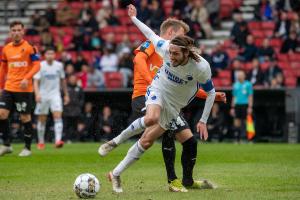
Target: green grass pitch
[(248, 171)]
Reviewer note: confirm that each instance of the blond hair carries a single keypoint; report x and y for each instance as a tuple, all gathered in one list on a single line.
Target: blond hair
[(175, 24)]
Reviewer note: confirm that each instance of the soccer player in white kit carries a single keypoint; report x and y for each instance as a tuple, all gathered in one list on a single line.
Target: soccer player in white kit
[(47, 86), (174, 87)]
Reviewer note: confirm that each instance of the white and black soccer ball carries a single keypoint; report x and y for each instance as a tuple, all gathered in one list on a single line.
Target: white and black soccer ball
[(86, 186)]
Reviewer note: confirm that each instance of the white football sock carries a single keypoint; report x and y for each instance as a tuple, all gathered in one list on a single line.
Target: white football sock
[(135, 128), (58, 128), (41, 127), (133, 154)]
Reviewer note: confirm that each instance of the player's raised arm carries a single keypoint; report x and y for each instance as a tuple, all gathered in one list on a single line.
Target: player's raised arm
[(149, 34)]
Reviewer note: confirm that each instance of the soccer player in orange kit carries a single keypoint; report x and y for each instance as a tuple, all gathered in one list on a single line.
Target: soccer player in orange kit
[(19, 62)]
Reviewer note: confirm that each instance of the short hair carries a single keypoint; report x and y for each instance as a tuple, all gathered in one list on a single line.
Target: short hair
[(175, 24), (15, 23), (50, 48)]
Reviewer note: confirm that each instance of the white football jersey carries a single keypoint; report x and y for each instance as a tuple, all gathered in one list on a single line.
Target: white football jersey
[(50, 78), (180, 84)]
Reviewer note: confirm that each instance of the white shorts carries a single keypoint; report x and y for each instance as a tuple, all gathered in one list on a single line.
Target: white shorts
[(54, 103), (169, 116)]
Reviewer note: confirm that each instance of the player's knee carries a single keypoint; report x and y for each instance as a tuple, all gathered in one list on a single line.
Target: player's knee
[(146, 143), (25, 118), (150, 120)]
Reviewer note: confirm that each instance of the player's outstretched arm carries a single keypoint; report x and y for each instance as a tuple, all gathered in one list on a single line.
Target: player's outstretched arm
[(143, 28)]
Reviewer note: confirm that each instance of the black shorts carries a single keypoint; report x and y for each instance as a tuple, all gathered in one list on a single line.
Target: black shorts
[(241, 111), (21, 100), (139, 110)]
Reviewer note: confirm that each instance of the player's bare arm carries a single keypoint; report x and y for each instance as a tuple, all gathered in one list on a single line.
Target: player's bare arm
[(36, 84), (66, 94)]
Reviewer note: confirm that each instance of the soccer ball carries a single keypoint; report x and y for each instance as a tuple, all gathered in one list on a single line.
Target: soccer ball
[(86, 186)]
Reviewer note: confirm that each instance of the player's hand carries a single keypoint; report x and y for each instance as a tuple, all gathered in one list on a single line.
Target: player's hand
[(24, 84), (223, 97), (66, 99), (202, 130), (131, 10), (1, 91), (38, 98)]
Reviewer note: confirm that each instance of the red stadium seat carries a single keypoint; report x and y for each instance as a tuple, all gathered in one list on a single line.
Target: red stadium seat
[(264, 66), (276, 42), (269, 33), (294, 57), (107, 29), (288, 73), (134, 29), (225, 11), (290, 82), (258, 33), (113, 80), (259, 41), (225, 82), (248, 66), (217, 82), (119, 13), (120, 29), (282, 57), (125, 20), (225, 74), (295, 66), (284, 65), (254, 25), (232, 53), (270, 25)]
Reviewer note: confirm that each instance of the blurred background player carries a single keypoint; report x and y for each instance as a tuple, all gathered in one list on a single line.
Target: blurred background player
[(146, 63), (241, 105), (19, 62), (48, 83)]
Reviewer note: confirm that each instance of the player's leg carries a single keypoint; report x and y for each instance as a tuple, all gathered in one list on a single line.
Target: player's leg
[(134, 153), (188, 160), (41, 128), (41, 110), (135, 128), (169, 154), (56, 109), (23, 102), (6, 103)]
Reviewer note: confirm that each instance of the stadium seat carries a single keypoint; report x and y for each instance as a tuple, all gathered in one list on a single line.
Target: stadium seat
[(232, 53), (268, 25), (294, 57), (113, 80), (264, 66), (217, 82), (225, 82), (259, 41), (225, 74), (276, 42), (290, 82), (254, 25), (284, 65), (119, 13), (269, 33), (282, 57), (225, 11), (106, 30), (120, 29), (257, 33), (248, 66), (295, 65)]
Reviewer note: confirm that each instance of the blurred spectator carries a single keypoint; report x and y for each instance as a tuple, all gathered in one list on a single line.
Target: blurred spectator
[(256, 75), (271, 72), (80, 61), (219, 58), (83, 76), (204, 54), (33, 28), (96, 41), (249, 50), (50, 15), (143, 12), (126, 66), (263, 11), (69, 70), (46, 39), (63, 40), (105, 15), (90, 24), (236, 66), (109, 60), (239, 31), (85, 12), (179, 7), (290, 44), (77, 43), (65, 16), (156, 15), (95, 78), (283, 25), (241, 105), (106, 123), (288, 5), (86, 125), (200, 15), (213, 8), (124, 44), (216, 123), (266, 52), (277, 81), (66, 58), (72, 111), (110, 41)]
